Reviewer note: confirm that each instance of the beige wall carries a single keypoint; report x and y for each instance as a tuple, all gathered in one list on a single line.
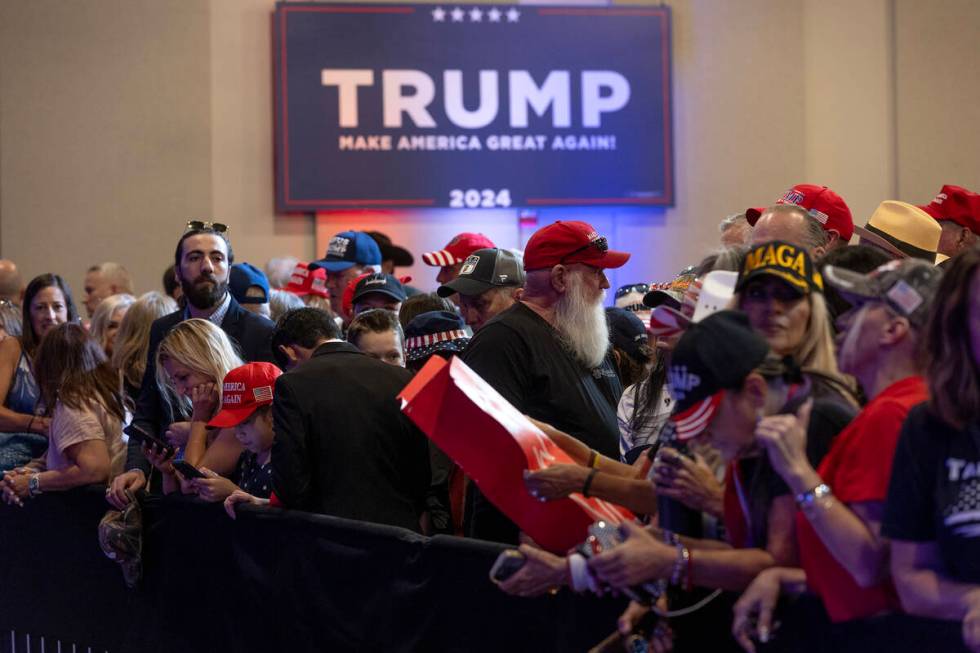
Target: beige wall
[(105, 132), (120, 119), (938, 96)]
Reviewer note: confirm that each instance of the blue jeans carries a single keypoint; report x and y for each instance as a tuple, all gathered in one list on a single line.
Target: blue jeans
[(18, 449)]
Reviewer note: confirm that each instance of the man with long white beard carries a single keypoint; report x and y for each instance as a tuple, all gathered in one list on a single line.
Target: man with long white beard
[(547, 354)]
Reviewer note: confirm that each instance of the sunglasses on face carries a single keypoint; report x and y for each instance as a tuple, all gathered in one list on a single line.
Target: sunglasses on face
[(778, 291), (600, 244), (216, 227)]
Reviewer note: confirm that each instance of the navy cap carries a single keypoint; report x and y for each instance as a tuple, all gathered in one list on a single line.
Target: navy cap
[(627, 332), (434, 331), (384, 284), (347, 249), (242, 277), (713, 355)]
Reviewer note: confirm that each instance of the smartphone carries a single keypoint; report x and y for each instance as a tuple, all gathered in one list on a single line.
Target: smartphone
[(139, 433), (188, 470), (507, 564)]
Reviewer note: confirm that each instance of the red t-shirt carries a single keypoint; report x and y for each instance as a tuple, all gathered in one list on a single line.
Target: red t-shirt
[(857, 468)]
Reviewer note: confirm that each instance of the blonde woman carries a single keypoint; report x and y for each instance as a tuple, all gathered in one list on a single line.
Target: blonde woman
[(133, 339), (781, 291), (106, 319), (190, 363)]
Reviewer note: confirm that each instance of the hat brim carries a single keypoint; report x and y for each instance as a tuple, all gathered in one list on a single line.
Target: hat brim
[(608, 260), (666, 321), (879, 241), (455, 346), (228, 417), (656, 298), (752, 215), (400, 256), (439, 259), (378, 291), (795, 283), (693, 421), (854, 287), (465, 286), (331, 266)]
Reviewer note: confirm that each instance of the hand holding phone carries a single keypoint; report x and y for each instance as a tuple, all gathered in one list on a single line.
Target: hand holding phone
[(140, 434), (507, 564), (188, 470)]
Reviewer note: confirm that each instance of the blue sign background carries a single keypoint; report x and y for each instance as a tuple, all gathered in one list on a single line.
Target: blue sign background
[(314, 173)]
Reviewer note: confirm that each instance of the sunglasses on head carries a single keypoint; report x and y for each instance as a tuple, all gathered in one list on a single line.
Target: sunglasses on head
[(600, 244), (201, 225), (642, 288)]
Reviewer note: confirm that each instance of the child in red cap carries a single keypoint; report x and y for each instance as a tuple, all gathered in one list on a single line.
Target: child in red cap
[(246, 406)]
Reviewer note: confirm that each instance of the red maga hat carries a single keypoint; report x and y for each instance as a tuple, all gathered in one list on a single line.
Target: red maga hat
[(461, 246), (570, 242), (308, 282), (826, 206), (245, 389), (956, 204)]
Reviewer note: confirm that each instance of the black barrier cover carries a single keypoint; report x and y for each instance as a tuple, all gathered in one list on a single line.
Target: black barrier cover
[(271, 580)]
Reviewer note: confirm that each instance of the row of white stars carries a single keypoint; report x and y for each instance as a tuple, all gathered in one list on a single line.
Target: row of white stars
[(476, 14)]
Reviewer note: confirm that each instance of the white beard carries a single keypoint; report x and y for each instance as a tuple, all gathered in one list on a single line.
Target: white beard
[(581, 324)]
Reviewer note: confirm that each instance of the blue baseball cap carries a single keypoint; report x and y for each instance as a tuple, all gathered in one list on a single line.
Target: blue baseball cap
[(347, 249), (242, 277)]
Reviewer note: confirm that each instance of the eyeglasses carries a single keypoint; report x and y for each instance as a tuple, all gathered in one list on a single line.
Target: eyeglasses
[(197, 225), (600, 244), (642, 288)]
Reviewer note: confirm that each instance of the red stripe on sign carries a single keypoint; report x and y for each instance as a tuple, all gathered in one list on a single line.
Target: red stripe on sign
[(355, 202), (596, 200), (600, 12), (354, 9)]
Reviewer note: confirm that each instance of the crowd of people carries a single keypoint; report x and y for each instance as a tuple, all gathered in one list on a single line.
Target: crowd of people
[(793, 419)]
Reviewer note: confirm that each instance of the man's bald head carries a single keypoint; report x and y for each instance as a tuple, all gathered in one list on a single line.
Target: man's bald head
[(11, 284), (791, 224)]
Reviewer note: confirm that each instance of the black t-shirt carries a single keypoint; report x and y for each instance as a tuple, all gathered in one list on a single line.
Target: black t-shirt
[(828, 417), (521, 356), (934, 493)]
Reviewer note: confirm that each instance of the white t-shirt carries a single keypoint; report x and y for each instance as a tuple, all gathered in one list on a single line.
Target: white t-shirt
[(650, 431)]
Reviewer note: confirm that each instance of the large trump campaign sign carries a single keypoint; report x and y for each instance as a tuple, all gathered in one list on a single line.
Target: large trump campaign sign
[(471, 106)]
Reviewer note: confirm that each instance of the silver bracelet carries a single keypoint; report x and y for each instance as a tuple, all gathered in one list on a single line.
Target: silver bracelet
[(810, 497)]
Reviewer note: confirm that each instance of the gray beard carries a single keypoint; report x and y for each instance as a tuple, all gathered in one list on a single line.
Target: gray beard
[(582, 326)]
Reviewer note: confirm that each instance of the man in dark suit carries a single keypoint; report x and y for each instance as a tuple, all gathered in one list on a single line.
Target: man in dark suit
[(201, 264), (342, 445)]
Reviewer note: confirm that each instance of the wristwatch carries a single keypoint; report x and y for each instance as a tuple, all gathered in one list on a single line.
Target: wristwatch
[(810, 497), (34, 485)]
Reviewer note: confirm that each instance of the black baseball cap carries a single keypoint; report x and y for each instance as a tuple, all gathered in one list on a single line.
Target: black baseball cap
[(484, 269), (907, 286), (782, 260), (714, 355), (384, 284), (627, 332)]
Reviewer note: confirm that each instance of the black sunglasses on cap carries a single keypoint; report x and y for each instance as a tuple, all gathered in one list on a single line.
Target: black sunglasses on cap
[(642, 288), (216, 227), (600, 244)]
